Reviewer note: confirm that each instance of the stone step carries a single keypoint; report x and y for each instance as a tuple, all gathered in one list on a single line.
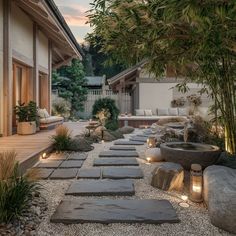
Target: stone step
[(71, 164), (127, 142), (123, 148), (138, 139), (68, 173), (115, 162), (49, 164), (118, 154), (44, 173), (122, 173), (90, 173), (102, 187), (107, 211), (78, 156)]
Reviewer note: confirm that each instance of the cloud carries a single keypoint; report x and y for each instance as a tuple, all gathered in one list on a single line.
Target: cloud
[(76, 20)]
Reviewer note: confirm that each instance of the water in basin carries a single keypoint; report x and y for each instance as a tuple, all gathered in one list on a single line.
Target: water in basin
[(190, 146)]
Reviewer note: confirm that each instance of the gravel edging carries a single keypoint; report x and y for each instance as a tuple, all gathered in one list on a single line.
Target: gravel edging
[(194, 220)]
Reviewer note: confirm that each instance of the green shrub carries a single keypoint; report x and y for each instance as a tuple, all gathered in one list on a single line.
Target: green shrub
[(16, 191), (61, 107), (62, 138), (112, 125)]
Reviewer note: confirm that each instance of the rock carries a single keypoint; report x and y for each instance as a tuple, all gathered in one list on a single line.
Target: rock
[(154, 154), (126, 129), (80, 144), (219, 195), (168, 176)]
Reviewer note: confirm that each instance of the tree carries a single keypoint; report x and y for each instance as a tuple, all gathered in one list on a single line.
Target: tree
[(98, 63), (197, 38), (70, 82)]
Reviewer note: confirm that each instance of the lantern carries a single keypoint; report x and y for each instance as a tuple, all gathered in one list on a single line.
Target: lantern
[(151, 142), (196, 183)]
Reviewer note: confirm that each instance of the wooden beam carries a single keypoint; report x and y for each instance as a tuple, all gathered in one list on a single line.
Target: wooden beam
[(36, 66), (58, 53), (63, 63), (22, 58), (7, 69)]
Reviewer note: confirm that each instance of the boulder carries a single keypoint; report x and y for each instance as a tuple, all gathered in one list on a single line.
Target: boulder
[(126, 129), (220, 196), (80, 144), (168, 176), (154, 154)]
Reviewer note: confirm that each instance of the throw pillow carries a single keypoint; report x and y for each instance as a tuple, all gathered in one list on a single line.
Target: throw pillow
[(148, 112), (139, 112), (183, 112), (173, 111)]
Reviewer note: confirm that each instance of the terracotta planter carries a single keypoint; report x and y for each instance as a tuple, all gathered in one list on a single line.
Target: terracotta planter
[(25, 128)]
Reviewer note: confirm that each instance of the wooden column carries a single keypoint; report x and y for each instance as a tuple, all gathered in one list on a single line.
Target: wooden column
[(36, 65), (7, 69), (49, 77)]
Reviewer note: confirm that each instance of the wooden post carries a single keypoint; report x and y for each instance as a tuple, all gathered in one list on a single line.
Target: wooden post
[(7, 69), (36, 67), (49, 76)]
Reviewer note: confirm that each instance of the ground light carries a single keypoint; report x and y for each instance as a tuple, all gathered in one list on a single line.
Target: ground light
[(151, 142), (184, 204), (196, 183)]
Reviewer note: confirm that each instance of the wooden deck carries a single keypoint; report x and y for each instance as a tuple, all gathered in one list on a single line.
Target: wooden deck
[(30, 147)]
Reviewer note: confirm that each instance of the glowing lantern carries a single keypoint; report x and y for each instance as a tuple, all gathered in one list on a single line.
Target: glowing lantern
[(196, 183), (151, 142)]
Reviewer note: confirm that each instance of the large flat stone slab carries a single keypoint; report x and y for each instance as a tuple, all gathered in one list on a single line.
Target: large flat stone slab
[(114, 211), (123, 148), (44, 173), (49, 164), (101, 187), (78, 156), (93, 173), (71, 164), (64, 174), (127, 142), (122, 173), (115, 162), (118, 154), (139, 139)]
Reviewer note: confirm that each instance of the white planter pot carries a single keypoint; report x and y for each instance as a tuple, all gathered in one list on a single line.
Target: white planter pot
[(25, 128)]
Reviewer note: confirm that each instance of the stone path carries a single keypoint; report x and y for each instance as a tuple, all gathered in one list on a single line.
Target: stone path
[(115, 162), (123, 148), (139, 139), (114, 211), (118, 154), (127, 142), (113, 178), (101, 188), (61, 167)]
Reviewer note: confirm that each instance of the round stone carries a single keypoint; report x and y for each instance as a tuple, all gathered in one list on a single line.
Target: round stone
[(154, 154)]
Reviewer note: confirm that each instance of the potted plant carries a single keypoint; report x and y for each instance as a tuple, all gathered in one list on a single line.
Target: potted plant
[(26, 116)]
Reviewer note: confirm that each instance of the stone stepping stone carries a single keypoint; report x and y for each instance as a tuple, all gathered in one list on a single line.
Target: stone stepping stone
[(71, 164), (127, 142), (64, 174), (49, 164), (107, 211), (123, 148), (44, 173), (118, 154), (115, 162), (102, 187), (58, 156), (78, 156), (122, 173), (93, 173), (143, 135), (139, 139)]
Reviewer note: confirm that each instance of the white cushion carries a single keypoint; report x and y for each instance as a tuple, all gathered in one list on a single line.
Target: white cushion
[(139, 112), (183, 112), (148, 112), (51, 119), (162, 111), (42, 113), (173, 111)]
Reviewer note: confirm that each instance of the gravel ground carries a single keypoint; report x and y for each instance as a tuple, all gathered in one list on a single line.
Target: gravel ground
[(194, 220)]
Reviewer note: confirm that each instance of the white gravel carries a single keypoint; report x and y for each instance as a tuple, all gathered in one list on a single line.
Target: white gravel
[(194, 220)]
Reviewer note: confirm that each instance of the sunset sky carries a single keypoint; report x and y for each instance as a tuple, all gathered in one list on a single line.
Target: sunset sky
[(74, 12)]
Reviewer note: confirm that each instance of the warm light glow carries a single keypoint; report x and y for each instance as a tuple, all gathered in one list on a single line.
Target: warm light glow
[(184, 197), (103, 141), (197, 189), (148, 159), (44, 155)]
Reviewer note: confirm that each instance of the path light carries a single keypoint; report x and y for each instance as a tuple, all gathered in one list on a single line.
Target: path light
[(196, 183), (149, 160), (184, 204), (151, 142), (44, 155)]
